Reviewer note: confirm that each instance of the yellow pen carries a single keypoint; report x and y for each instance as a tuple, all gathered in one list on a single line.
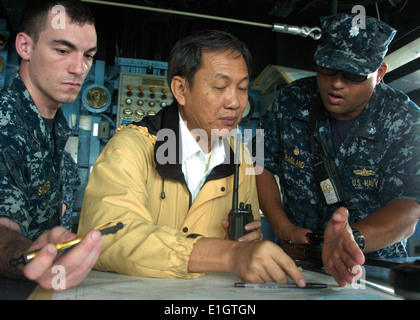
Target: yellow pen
[(26, 257)]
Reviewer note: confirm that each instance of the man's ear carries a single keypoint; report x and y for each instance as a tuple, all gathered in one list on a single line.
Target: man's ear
[(24, 44), (178, 88), (381, 71)]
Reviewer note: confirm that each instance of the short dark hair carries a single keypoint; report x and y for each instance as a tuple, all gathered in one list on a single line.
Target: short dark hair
[(185, 58), (35, 13)]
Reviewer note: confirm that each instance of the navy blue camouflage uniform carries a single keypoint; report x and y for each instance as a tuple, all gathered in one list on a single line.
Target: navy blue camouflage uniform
[(378, 161), (32, 164)]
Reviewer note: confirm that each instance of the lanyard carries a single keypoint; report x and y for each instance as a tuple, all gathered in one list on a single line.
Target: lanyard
[(326, 173)]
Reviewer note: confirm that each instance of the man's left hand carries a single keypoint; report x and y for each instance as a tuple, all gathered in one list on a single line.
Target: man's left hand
[(340, 253), (253, 227)]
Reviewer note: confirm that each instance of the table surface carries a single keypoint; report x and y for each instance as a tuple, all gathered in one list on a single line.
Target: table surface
[(212, 286)]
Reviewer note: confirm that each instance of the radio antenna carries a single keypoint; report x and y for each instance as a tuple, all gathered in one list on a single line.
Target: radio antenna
[(236, 176)]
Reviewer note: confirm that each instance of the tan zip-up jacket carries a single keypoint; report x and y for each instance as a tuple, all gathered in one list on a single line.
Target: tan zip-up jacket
[(153, 202)]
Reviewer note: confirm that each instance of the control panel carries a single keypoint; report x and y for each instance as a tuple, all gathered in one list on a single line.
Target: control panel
[(141, 95)]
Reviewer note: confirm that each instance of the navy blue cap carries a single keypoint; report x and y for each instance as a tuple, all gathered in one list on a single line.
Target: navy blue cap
[(351, 46)]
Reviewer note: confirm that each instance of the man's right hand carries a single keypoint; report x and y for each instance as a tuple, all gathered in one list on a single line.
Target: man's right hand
[(76, 263), (294, 234), (252, 261), (263, 261)]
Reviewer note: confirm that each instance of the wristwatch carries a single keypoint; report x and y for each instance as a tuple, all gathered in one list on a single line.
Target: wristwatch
[(359, 238)]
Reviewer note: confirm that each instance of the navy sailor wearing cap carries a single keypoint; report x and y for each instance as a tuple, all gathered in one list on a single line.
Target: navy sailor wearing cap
[(344, 120)]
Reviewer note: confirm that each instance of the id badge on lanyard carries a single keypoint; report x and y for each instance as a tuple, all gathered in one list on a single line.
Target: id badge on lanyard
[(325, 170), (329, 182)]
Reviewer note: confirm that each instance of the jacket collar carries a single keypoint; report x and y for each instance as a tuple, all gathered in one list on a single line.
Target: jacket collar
[(367, 122), (168, 118)]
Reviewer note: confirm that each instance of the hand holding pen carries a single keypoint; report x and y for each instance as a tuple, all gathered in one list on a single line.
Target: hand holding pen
[(77, 263)]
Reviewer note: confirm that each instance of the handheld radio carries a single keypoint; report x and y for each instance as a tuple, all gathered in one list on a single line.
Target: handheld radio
[(240, 216)]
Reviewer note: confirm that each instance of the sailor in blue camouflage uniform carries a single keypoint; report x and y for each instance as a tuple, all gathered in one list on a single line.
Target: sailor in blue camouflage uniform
[(37, 177), (368, 130), (70, 187), (33, 164)]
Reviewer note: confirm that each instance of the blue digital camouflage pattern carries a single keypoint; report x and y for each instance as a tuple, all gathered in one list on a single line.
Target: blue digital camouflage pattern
[(70, 187), (378, 161), (349, 45), (32, 167)]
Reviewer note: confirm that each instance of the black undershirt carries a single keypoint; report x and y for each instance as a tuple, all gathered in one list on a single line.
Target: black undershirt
[(339, 131), (49, 123)]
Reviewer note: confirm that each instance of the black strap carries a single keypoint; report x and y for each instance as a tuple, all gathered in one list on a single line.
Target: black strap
[(314, 114)]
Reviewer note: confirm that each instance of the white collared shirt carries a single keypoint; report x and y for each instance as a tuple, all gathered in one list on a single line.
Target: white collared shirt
[(196, 165)]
